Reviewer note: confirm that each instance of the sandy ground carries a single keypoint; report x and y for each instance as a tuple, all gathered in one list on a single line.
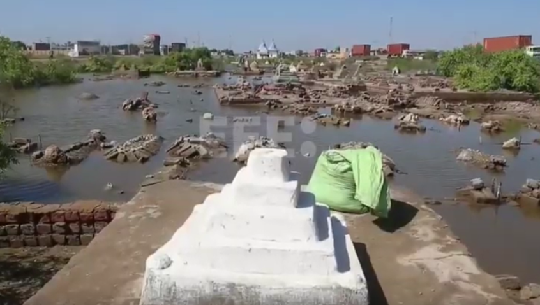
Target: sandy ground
[(24, 271)]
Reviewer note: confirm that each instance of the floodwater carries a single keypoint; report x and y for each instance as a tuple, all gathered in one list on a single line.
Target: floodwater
[(503, 239)]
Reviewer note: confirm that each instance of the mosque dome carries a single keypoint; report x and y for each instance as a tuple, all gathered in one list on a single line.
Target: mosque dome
[(272, 47), (263, 48)]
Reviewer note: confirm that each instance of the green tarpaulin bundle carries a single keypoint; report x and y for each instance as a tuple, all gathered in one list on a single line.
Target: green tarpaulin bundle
[(352, 181)]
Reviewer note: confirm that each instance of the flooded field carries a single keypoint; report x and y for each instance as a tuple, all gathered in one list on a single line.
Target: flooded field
[(501, 238)]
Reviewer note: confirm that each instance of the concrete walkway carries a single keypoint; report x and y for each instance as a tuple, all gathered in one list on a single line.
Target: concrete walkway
[(412, 259)]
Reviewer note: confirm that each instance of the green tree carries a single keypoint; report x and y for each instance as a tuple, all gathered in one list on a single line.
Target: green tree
[(476, 70), (15, 68), (8, 156), (431, 55)]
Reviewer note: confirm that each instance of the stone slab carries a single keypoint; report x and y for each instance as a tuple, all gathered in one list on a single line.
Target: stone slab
[(204, 264)]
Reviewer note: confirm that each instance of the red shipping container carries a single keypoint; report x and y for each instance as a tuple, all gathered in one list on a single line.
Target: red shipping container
[(396, 49), (361, 50), (498, 44)]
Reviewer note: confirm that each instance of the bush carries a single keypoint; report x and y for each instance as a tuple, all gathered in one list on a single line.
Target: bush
[(16, 70), (476, 70)]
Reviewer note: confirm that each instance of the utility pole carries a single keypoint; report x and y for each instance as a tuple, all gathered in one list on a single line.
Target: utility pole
[(390, 31)]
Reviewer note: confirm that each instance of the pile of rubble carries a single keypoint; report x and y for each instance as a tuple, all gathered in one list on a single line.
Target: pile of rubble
[(139, 149), (480, 193), (491, 127), (490, 162), (195, 147), (409, 123), (530, 192), (250, 144), (325, 119), (389, 167), (139, 103), (71, 154), (512, 144), (23, 146), (455, 119)]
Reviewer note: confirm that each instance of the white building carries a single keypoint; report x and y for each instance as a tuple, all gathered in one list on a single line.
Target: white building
[(85, 48), (267, 52)]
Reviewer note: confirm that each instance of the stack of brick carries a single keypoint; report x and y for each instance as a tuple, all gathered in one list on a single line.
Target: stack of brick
[(72, 224)]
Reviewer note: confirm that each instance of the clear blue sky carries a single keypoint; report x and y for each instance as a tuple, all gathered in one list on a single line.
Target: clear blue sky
[(298, 24)]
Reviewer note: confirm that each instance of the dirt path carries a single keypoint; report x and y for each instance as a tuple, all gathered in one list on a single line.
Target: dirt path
[(24, 271)]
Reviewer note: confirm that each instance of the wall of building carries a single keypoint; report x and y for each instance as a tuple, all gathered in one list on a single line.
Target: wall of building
[(73, 224), (41, 54)]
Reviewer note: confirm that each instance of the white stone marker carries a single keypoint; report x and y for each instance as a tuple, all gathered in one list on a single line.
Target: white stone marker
[(260, 241)]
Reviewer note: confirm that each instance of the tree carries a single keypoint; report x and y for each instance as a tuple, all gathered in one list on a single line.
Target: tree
[(476, 70), (431, 55), (15, 68)]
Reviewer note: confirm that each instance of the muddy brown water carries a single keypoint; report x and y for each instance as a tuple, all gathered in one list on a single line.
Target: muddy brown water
[(503, 239)]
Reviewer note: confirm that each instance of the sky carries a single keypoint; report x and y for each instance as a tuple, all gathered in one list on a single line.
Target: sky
[(294, 25)]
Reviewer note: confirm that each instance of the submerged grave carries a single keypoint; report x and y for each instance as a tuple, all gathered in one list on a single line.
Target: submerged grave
[(259, 241)]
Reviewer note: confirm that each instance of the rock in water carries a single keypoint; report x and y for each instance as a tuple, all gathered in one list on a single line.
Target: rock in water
[(193, 147), (491, 162), (208, 116), (139, 149), (88, 96), (513, 143), (70, 154)]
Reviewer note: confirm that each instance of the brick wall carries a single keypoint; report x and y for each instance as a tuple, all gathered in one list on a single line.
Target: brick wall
[(27, 224)]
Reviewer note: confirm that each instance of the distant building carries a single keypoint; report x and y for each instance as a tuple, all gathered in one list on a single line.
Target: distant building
[(267, 52), (81, 48), (41, 46), (178, 46), (164, 49)]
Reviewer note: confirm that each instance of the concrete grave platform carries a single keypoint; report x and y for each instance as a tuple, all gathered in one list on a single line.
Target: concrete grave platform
[(259, 241)]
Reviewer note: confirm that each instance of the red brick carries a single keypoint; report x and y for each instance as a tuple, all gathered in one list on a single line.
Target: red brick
[(16, 242), (12, 229), (58, 216), (87, 228), (86, 217), (86, 239), (75, 227), (112, 215), (43, 217), (14, 218), (2, 217), (101, 215), (59, 227), (4, 242), (72, 216), (28, 229), (58, 239), (99, 225), (30, 241), (43, 228), (45, 240), (73, 240), (2, 230)]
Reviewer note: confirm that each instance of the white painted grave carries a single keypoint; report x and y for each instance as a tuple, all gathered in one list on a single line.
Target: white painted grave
[(259, 241)]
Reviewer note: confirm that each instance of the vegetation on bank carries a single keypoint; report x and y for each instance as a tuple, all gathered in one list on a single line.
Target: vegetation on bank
[(475, 70), (17, 70), (185, 60), (412, 64), (8, 156)]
